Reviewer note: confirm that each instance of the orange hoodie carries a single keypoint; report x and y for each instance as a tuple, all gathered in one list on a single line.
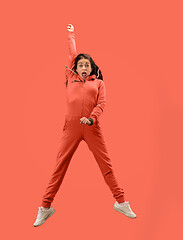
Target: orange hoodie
[(84, 98)]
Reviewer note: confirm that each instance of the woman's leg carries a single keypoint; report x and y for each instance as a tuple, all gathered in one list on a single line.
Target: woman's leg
[(70, 140), (94, 138)]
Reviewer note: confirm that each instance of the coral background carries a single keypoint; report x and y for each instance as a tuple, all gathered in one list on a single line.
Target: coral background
[(138, 47)]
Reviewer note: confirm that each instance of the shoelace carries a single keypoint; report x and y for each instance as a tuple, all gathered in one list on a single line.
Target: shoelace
[(43, 209), (40, 210)]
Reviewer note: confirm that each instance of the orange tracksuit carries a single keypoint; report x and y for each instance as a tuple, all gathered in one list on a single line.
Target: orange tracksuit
[(84, 99)]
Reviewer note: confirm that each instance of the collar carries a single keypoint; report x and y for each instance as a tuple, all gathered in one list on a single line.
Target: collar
[(89, 78)]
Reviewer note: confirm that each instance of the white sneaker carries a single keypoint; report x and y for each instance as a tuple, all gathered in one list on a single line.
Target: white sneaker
[(42, 215), (124, 208)]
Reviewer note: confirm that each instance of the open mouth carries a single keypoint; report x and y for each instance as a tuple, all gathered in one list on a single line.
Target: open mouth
[(84, 74)]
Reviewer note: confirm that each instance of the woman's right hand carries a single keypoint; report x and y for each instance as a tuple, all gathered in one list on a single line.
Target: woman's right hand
[(70, 28)]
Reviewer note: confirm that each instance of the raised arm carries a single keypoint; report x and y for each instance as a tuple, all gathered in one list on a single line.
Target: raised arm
[(72, 45)]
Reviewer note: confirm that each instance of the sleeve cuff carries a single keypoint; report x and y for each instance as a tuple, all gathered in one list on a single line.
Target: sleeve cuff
[(91, 121)]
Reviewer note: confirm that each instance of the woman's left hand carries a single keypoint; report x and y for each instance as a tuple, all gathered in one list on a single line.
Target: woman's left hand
[(85, 120)]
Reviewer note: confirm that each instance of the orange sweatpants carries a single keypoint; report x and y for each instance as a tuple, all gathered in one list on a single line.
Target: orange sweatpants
[(72, 134)]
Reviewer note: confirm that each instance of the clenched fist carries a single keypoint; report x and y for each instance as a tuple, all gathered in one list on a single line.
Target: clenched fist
[(70, 28), (85, 120)]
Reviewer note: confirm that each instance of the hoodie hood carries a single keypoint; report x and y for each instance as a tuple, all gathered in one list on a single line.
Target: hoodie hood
[(89, 78)]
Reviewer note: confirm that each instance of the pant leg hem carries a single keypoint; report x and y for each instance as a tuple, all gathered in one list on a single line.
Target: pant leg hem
[(120, 199), (45, 205)]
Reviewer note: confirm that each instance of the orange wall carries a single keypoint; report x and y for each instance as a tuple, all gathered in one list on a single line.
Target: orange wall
[(138, 47)]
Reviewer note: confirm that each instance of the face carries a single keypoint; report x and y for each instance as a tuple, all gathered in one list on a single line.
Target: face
[(84, 68)]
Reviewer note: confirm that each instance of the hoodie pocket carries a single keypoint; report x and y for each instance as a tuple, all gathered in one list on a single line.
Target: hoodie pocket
[(65, 125)]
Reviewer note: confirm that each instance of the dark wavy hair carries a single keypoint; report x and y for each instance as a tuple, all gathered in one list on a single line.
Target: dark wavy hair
[(95, 68)]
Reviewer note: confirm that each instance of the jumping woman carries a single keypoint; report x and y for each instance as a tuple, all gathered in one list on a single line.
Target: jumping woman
[(86, 99)]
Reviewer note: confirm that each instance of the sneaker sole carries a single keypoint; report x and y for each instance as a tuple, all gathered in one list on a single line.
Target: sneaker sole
[(45, 218), (119, 210)]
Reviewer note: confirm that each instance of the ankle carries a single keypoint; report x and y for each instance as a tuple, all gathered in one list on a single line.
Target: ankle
[(44, 208), (121, 199)]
